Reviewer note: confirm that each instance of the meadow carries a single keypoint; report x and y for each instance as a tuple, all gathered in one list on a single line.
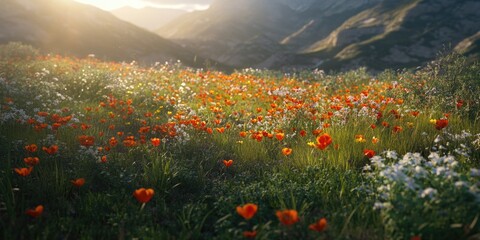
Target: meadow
[(104, 150)]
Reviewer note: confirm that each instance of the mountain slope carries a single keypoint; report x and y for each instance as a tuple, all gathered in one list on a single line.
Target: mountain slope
[(330, 34), (67, 27)]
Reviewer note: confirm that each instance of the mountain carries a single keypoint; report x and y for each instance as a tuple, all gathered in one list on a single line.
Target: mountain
[(328, 34), (149, 18), (67, 27)]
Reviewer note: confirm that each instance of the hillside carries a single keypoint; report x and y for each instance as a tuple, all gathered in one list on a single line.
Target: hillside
[(106, 150), (66, 27), (327, 34)]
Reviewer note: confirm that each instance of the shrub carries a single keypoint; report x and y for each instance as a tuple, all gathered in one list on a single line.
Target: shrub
[(17, 51), (433, 198), (452, 83)]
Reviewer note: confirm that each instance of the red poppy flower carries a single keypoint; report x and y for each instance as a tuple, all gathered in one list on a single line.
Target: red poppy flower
[(323, 141), (113, 142), (86, 141), (143, 195), (155, 142), (441, 124), (24, 171), (279, 136), (36, 212), (78, 182), (129, 141), (287, 151), (31, 161), (368, 153), (319, 226), (250, 234), (288, 216), (31, 148), (247, 211), (50, 150), (228, 163), (397, 129), (303, 133)]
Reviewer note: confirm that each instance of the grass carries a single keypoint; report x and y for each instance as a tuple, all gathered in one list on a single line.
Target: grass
[(199, 117)]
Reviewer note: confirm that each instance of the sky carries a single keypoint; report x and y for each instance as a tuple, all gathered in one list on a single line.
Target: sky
[(188, 5)]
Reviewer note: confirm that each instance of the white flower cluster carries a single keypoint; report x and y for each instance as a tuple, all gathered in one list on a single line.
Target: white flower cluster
[(428, 179)]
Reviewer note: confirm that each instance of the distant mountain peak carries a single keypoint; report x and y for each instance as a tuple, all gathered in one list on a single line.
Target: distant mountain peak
[(72, 28), (331, 34)]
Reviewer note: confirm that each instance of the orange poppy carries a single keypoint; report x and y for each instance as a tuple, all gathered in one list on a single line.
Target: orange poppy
[(441, 124), (31, 161), (368, 153), (129, 141), (36, 212), (288, 216), (155, 142), (78, 182), (103, 159), (319, 226), (228, 163), (86, 141), (280, 136), (287, 151), (43, 114), (143, 195), (247, 211), (50, 150), (24, 171), (250, 234), (317, 132), (31, 148), (323, 141), (113, 142), (243, 134), (303, 133), (397, 129)]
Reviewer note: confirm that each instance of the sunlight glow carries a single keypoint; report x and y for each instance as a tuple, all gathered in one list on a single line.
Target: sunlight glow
[(109, 5)]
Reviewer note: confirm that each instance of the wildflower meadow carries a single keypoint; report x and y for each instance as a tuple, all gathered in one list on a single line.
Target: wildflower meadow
[(104, 150)]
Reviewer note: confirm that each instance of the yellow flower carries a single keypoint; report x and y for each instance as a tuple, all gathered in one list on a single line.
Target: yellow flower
[(433, 121), (311, 144), (360, 139)]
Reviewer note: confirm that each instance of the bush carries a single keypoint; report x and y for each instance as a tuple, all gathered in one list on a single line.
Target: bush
[(452, 83), (433, 198), (17, 51)]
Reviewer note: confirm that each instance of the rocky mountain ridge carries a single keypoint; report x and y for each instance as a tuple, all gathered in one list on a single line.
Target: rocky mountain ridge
[(329, 34)]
